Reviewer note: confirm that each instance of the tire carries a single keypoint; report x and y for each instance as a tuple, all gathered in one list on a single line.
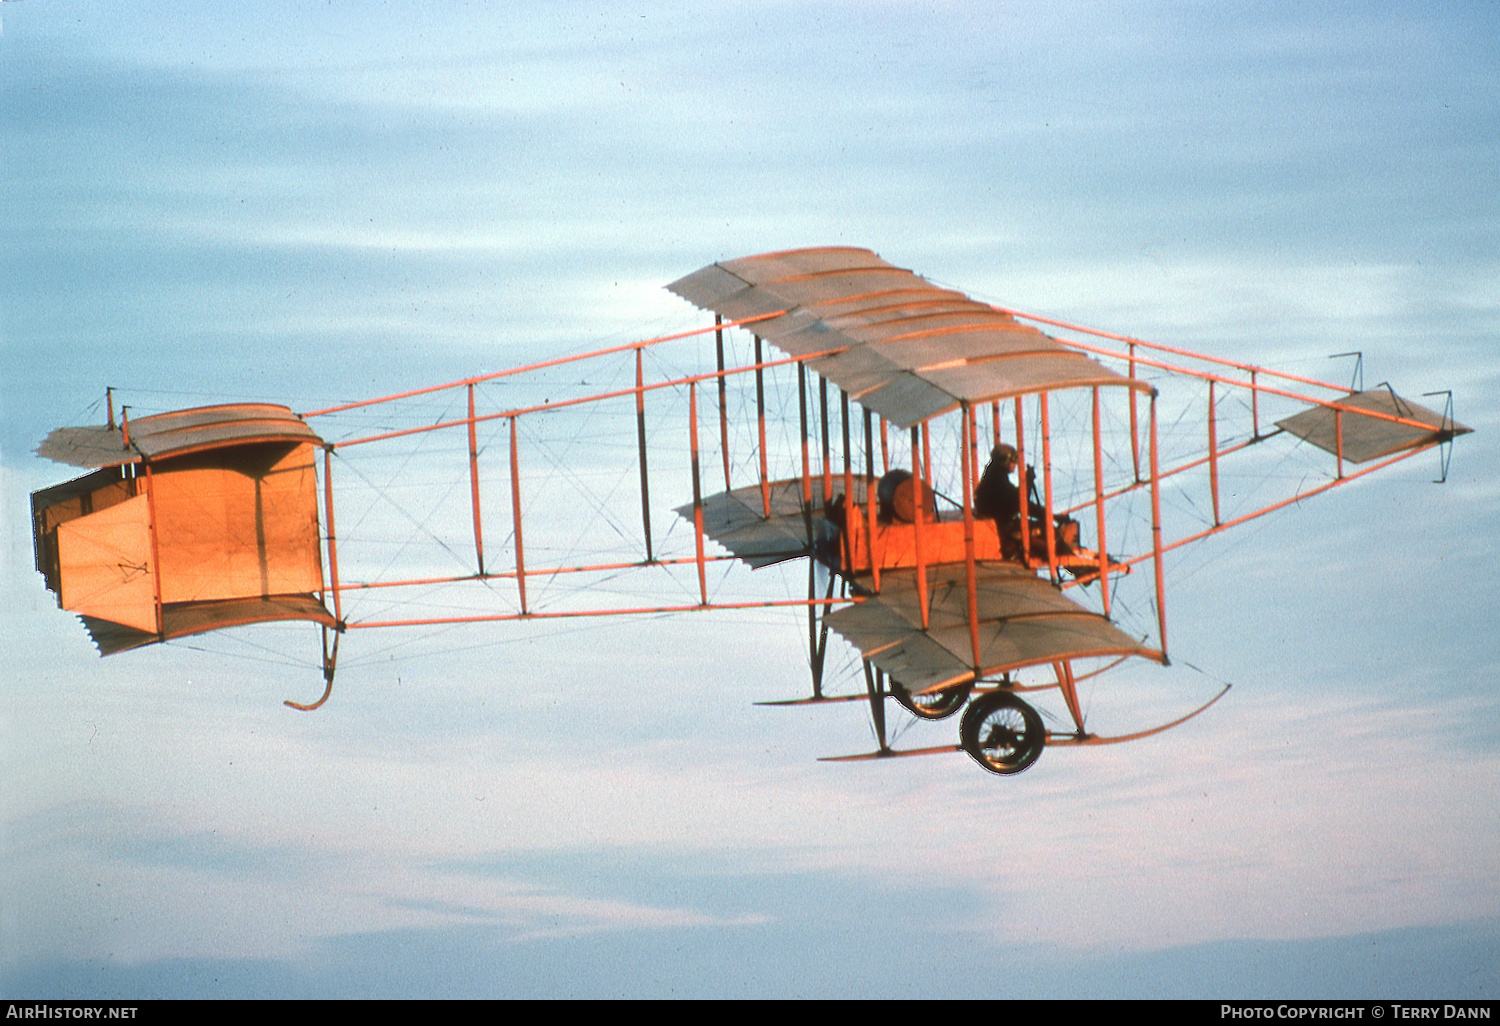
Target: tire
[(1002, 733), (935, 706)]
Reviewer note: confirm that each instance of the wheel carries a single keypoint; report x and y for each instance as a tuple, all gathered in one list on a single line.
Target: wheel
[(1002, 733), (934, 706)]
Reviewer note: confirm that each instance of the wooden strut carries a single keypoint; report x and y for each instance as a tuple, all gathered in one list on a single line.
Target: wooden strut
[(1099, 508), (1047, 522), (850, 510), (919, 514), (1156, 542), (1254, 407), (1069, 688), (1338, 430), (806, 457), (1022, 485), (970, 586), (827, 446), (974, 443), (817, 625), (1135, 440), (474, 485), (875, 686), (723, 398), (871, 497), (640, 434), (1213, 451), (515, 509), (760, 418), (697, 494)]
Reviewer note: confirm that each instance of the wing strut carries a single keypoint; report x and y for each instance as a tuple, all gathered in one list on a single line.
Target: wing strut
[(1068, 685), (875, 684), (817, 628)]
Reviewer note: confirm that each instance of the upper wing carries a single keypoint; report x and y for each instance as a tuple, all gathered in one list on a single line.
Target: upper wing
[(1023, 621), (895, 342)]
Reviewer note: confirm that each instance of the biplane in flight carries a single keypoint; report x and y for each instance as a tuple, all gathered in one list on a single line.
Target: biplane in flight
[(868, 422)]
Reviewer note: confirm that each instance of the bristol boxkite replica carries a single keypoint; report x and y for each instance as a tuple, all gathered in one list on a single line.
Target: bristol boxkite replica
[(868, 422)]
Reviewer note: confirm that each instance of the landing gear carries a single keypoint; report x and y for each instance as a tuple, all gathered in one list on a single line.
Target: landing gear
[(933, 706), (1002, 733)]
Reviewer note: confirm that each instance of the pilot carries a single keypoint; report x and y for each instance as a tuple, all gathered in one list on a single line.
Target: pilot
[(995, 496)]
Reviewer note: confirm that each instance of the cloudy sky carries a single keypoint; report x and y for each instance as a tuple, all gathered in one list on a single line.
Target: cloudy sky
[(307, 204)]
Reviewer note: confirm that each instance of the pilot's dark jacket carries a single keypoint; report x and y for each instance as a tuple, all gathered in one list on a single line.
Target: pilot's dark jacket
[(995, 496)]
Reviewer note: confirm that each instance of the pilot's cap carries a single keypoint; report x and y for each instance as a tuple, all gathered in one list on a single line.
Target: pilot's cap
[(1004, 453)]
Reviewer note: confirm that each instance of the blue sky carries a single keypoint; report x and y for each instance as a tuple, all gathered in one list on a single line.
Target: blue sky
[(305, 204)]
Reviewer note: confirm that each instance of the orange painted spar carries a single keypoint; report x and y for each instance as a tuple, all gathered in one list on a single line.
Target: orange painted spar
[(580, 613), (1156, 546), (871, 497), (1252, 385), (537, 366), (1050, 532), (827, 452), (697, 493), (802, 423), (640, 442), (1338, 431), (474, 484), (1099, 510), (723, 398), (1133, 342), (1278, 505), (970, 587), (1025, 506), (1213, 451), (500, 575), (1164, 475), (1135, 442), (919, 514), (1254, 406), (563, 403), (760, 417), (850, 510), (515, 508)]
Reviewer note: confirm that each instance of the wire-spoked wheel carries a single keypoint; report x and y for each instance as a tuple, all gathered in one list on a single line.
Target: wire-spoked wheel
[(933, 706), (1002, 733)]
